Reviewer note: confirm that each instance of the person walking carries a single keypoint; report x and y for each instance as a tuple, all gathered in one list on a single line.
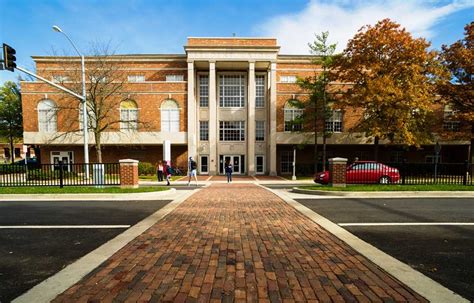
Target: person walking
[(159, 171), (228, 171), (192, 170), (167, 172)]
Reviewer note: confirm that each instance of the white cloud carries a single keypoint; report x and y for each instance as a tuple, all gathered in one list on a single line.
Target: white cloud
[(343, 18)]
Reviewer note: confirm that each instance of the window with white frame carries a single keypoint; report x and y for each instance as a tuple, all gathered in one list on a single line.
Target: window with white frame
[(203, 90), (334, 122), (204, 130), (169, 116), (232, 130), (136, 78), (449, 122), (47, 116), (286, 162), (128, 115), (232, 90), (98, 79), (260, 91), (259, 130), (288, 79), (204, 164), (60, 78), (292, 117), (174, 78)]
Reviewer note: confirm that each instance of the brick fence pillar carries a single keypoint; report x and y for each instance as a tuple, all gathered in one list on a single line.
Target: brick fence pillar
[(128, 173), (337, 172)]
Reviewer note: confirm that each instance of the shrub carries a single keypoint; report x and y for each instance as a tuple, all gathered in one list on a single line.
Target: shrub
[(145, 168)]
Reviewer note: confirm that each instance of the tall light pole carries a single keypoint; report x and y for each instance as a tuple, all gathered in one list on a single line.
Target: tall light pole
[(85, 115)]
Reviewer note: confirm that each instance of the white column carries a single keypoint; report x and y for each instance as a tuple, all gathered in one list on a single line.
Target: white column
[(213, 161), (273, 121), (251, 121), (191, 112)]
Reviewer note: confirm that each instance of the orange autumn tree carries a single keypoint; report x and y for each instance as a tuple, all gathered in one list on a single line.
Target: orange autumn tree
[(459, 91), (392, 78)]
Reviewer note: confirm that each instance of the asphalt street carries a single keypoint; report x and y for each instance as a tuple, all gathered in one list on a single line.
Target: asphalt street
[(442, 252), (29, 256)]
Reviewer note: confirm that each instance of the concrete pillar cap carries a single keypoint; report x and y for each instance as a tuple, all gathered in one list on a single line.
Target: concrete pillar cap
[(128, 161), (338, 160)]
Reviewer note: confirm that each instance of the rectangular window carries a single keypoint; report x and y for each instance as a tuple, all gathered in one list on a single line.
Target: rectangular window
[(128, 119), (47, 120), (232, 91), (170, 120), (259, 91), (232, 130), (291, 116), (98, 79), (259, 164), (203, 90), (259, 130), (204, 164), (174, 78), (449, 122), (286, 162), (59, 78), (334, 122), (288, 79), (204, 130), (136, 78)]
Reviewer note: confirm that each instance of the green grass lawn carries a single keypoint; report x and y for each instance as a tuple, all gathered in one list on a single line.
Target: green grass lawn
[(393, 187), (79, 190)]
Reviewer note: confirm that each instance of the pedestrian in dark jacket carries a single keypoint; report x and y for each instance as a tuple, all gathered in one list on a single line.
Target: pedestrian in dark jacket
[(228, 171), (167, 172)]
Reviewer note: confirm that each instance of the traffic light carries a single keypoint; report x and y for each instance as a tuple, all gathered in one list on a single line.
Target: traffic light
[(9, 57)]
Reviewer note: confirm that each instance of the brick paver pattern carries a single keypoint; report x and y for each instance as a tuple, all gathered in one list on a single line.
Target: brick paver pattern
[(238, 243)]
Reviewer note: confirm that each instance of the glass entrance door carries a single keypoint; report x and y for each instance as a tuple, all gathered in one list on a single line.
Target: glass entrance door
[(235, 161)]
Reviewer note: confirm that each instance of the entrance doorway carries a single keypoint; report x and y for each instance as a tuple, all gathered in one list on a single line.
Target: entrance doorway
[(237, 161), (64, 156)]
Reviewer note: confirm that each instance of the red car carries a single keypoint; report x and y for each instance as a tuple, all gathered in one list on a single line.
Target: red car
[(364, 172)]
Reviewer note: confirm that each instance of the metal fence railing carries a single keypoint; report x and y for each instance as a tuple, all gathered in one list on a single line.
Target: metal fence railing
[(60, 174), (410, 173)]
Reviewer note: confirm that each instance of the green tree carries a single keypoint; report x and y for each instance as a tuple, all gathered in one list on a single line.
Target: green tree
[(458, 91), (393, 79), (316, 106), (11, 122)]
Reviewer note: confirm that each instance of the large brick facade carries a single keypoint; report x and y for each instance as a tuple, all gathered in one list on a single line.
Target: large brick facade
[(208, 56)]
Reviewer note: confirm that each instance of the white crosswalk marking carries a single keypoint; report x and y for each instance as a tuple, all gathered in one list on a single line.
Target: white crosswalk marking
[(60, 226), (408, 224)]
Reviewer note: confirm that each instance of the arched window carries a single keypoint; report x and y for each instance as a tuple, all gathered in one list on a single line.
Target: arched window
[(169, 116), (292, 116), (47, 116), (128, 115)]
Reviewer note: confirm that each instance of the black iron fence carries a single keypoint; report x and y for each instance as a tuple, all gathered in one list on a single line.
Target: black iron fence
[(60, 174), (435, 173)]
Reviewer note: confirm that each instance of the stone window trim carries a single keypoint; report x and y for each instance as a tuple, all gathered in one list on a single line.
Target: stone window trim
[(47, 116)]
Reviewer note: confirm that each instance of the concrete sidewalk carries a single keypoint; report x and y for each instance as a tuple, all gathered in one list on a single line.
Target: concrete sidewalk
[(239, 243)]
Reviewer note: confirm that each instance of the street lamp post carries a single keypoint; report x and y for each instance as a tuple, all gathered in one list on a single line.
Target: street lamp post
[(85, 115)]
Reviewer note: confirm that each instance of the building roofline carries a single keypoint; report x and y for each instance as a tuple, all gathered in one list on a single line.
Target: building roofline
[(125, 57), (253, 38)]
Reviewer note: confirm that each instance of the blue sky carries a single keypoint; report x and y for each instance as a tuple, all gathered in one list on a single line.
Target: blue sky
[(140, 26)]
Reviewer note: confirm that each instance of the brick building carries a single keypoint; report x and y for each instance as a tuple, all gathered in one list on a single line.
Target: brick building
[(224, 99)]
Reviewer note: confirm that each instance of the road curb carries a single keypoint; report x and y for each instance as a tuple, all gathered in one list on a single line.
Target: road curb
[(73, 273), (89, 197), (423, 285), (386, 194)]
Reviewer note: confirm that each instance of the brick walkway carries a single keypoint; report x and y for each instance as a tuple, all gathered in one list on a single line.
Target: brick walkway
[(237, 243)]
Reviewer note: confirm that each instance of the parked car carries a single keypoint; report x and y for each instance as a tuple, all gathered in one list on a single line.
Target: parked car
[(363, 172)]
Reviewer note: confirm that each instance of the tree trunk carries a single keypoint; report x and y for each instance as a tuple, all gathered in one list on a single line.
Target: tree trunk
[(376, 148), (98, 148), (12, 150), (324, 151)]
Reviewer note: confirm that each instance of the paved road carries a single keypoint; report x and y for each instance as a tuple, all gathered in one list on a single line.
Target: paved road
[(444, 253), (28, 256)]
